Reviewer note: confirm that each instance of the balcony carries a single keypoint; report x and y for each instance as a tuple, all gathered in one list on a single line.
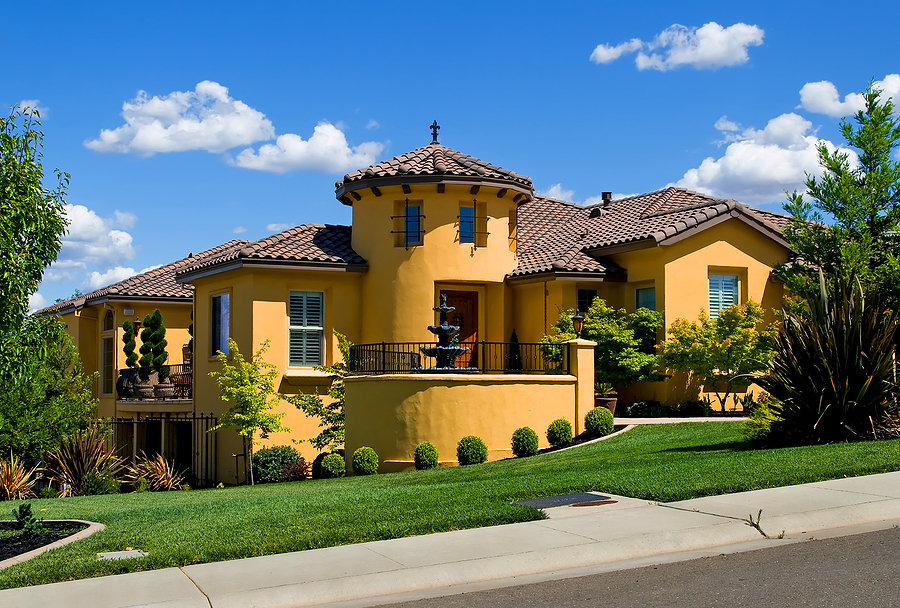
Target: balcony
[(155, 384), (481, 358)]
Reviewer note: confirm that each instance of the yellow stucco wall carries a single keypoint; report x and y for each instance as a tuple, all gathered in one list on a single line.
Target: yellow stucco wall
[(393, 414)]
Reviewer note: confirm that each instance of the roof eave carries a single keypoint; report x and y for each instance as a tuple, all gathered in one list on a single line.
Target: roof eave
[(568, 275), (419, 179), (199, 273)]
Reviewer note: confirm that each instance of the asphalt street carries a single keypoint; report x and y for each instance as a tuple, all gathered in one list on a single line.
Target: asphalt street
[(861, 570)]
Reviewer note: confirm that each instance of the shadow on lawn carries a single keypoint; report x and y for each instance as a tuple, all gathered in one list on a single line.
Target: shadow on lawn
[(725, 446)]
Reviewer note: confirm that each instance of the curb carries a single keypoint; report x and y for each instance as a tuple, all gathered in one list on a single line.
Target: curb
[(91, 528)]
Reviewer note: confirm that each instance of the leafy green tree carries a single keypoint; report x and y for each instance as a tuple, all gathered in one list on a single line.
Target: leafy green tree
[(625, 342), (721, 352), (250, 386), (331, 414), (55, 403), (862, 204), (32, 223)]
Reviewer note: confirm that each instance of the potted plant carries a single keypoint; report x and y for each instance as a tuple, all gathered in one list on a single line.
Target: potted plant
[(125, 385), (154, 356), (605, 396)]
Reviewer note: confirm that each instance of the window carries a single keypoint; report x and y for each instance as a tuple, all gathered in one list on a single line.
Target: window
[(586, 298), (467, 224), (412, 225), (219, 326), (109, 321), (645, 297), (723, 292), (306, 310), (108, 366)]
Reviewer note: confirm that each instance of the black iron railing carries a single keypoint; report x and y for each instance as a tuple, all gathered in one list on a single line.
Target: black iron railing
[(156, 382), (482, 357)]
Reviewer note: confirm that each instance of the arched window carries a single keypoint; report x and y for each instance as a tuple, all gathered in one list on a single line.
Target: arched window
[(109, 321)]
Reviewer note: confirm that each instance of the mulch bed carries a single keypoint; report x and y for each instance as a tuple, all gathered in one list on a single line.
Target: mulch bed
[(19, 543)]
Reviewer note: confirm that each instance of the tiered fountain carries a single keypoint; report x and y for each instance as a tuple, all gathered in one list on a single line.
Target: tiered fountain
[(446, 351)]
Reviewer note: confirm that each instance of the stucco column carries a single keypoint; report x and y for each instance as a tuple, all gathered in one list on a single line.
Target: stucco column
[(580, 363)]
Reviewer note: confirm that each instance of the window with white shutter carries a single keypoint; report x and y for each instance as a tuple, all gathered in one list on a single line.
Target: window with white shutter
[(307, 315), (723, 292)]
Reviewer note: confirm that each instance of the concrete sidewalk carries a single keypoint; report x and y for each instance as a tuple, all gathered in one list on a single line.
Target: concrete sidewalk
[(575, 541)]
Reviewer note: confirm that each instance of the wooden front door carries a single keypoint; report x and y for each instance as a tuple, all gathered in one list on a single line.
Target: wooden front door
[(466, 316)]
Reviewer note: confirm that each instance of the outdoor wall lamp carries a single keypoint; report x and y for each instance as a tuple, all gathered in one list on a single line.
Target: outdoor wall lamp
[(578, 322)]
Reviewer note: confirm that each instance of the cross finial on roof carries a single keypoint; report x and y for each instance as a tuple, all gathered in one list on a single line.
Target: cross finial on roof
[(434, 130)]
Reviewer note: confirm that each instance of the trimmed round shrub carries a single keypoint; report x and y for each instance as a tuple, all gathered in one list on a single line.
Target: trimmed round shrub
[(471, 450), (333, 465), (559, 433), (269, 463), (365, 461), (598, 422), (425, 456), (524, 442), (316, 468)]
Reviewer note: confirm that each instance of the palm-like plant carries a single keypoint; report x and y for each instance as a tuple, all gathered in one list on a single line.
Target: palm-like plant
[(79, 457), (16, 481), (157, 472), (833, 370)]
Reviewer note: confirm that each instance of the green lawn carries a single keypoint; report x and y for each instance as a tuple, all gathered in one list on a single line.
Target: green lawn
[(663, 462)]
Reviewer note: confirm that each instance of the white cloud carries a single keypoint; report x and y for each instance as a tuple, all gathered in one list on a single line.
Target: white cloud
[(326, 151), (239, 230), (558, 192), (723, 124), (95, 280), (373, 124), (759, 165), (823, 98), (28, 106), (278, 227), (710, 46), (206, 118), (95, 240), (36, 302), (605, 53)]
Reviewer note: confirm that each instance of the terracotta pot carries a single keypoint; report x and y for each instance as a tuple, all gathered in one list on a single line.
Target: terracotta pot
[(607, 402), (145, 391), (164, 390)]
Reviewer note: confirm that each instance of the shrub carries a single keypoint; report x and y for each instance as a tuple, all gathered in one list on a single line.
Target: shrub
[(154, 474), (79, 456), (559, 433), (316, 468), (694, 408), (333, 465), (646, 409), (47, 492), (832, 372), (365, 461), (26, 521), (524, 442), (598, 422), (758, 426), (96, 483), (16, 481), (471, 450), (295, 471), (268, 463), (425, 456)]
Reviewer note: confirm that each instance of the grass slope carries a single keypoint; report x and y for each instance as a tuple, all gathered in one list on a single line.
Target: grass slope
[(664, 463)]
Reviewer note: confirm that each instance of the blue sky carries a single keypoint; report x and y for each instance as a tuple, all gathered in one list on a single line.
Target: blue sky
[(184, 127)]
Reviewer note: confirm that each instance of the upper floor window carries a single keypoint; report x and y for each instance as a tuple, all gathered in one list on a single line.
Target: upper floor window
[(107, 365), (645, 297), (219, 324), (412, 225), (467, 224), (109, 321), (723, 292), (307, 313)]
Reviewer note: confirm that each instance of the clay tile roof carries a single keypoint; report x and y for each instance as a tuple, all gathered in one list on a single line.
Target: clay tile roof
[(557, 235), (316, 243), (156, 283), (433, 160)]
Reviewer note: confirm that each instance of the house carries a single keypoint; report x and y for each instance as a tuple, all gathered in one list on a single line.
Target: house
[(436, 222)]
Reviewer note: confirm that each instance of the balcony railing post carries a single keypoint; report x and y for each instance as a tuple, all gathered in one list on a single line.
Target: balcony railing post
[(483, 356), (383, 364)]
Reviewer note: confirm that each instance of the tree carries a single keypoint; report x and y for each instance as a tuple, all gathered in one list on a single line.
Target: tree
[(32, 223), (250, 386), (331, 414), (864, 203), (625, 342), (55, 403), (721, 352)]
